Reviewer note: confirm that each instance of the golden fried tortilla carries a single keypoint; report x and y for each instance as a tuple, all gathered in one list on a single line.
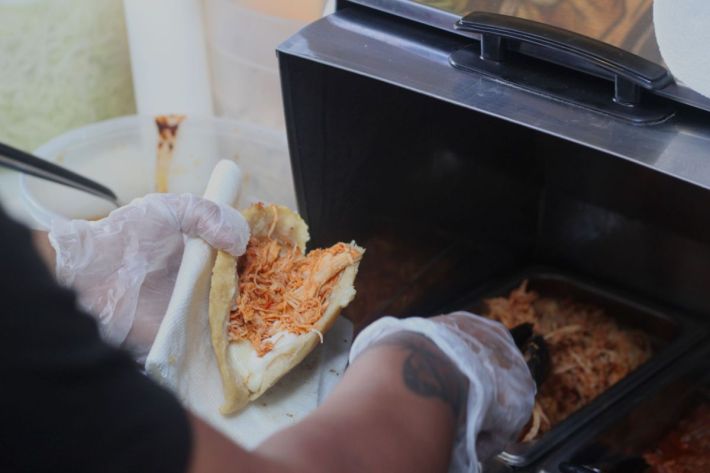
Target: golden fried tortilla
[(265, 326)]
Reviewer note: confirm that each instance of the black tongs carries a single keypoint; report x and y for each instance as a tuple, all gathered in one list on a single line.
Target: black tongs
[(18, 160), (534, 350)]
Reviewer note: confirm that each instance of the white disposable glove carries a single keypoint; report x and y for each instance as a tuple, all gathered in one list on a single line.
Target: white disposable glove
[(501, 391), (124, 266)]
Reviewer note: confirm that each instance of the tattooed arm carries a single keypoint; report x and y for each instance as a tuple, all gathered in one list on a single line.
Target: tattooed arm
[(394, 411), (398, 406)]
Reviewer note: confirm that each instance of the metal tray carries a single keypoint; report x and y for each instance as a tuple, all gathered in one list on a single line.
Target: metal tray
[(672, 334), (615, 443)]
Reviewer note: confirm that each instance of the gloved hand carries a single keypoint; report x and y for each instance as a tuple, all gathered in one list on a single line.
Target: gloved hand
[(501, 391), (124, 266)]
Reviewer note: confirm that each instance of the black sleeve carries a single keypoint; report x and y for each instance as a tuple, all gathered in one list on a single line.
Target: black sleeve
[(68, 401)]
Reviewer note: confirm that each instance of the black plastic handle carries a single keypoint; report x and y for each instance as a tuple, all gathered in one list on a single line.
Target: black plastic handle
[(630, 71)]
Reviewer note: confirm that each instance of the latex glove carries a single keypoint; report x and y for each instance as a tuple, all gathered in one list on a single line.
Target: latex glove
[(124, 266), (501, 390)]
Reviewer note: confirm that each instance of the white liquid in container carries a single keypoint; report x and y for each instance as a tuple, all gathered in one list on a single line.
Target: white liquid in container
[(121, 154)]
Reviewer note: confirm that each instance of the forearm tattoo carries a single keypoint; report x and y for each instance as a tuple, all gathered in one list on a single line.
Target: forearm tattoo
[(427, 372)]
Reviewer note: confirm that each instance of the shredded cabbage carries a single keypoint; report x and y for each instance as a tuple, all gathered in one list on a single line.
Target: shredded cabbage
[(64, 63)]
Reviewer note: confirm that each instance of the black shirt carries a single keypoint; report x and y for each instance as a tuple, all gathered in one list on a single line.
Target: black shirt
[(68, 401)]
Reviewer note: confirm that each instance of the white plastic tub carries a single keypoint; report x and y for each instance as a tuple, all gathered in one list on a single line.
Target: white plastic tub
[(242, 36), (121, 153)]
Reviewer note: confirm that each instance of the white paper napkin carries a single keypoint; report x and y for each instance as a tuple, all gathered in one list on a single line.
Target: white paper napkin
[(183, 361), (683, 34)]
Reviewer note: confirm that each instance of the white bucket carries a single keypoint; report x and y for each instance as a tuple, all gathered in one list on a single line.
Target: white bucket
[(121, 154)]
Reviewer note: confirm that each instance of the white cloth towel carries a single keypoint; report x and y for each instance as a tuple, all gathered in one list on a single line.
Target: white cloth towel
[(183, 361)]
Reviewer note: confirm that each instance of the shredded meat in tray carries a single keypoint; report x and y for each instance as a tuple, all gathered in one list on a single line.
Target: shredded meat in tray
[(589, 351)]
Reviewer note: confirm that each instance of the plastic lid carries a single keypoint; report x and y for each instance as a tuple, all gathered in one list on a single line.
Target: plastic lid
[(626, 25), (619, 24)]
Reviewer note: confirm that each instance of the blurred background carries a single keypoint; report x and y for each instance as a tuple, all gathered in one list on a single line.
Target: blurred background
[(70, 63), (67, 63)]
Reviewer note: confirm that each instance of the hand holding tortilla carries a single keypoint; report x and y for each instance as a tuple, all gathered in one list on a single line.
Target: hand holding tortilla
[(270, 308), (124, 265)]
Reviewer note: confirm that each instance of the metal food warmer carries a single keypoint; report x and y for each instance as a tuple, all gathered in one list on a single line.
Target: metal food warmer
[(470, 144)]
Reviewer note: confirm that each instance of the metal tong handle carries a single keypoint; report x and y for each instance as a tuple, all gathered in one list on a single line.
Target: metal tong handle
[(19, 160)]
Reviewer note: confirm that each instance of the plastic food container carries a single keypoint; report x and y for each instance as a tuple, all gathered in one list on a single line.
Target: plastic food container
[(671, 334), (242, 36), (121, 154), (616, 443)]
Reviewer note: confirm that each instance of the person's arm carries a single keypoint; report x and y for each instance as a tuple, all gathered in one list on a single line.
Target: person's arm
[(77, 404), (422, 393), (394, 411), (44, 248)]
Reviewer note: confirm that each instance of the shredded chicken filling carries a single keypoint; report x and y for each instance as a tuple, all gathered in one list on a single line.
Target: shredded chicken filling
[(282, 290), (589, 352)]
